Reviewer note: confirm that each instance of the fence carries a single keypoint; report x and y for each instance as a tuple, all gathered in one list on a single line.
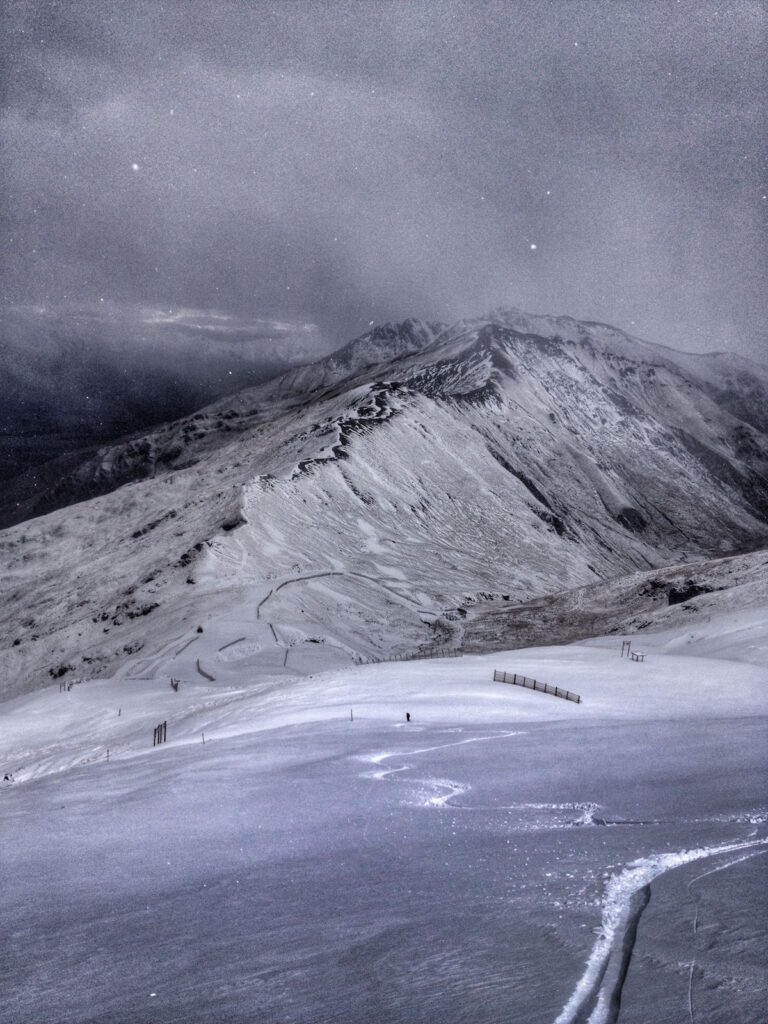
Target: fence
[(206, 675), (534, 684), (434, 652)]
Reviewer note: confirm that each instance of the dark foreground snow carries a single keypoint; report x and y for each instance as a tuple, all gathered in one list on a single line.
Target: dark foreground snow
[(368, 871)]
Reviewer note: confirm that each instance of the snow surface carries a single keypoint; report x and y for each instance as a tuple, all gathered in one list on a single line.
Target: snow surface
[(297, 851)]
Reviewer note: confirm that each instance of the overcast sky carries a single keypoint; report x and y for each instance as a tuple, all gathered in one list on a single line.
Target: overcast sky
[(335, 163)]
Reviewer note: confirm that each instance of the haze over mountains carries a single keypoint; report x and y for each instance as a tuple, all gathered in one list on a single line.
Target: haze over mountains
[(370, 498), (80, 376)]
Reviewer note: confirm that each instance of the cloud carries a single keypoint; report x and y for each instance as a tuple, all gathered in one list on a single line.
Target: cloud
[(337, 163), (226, 327), (77, 375)]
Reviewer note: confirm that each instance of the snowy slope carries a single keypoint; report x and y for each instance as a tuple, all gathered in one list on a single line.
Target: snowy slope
[(696, 602), (344, 510), (503, 855), (54, 730)]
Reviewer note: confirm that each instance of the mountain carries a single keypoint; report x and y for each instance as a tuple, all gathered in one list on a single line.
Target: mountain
[(721, 601), (348, 508), (78, 379)]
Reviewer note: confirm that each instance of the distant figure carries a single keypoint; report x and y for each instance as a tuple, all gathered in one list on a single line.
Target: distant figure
[(407, 716)]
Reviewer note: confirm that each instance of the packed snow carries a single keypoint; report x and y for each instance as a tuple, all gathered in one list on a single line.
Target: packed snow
[(298, 850)]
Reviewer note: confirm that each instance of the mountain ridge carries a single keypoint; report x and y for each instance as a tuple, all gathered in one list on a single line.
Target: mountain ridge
[(29, 494), (370, 496)]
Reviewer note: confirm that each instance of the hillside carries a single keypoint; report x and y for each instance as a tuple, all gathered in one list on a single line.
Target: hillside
[(75, 379), (363, 498)]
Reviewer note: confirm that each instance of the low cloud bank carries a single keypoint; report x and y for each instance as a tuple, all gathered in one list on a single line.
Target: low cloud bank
[(85, 375)]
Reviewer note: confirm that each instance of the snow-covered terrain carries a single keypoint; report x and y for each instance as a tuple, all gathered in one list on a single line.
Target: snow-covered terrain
[(698, 596), (297, 851), (348, 819), (367, 497)]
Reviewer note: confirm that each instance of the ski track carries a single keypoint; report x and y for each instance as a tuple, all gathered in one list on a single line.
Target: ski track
[(623, 904), (390, 589), (695, 925), (146, 663), (453, 788)]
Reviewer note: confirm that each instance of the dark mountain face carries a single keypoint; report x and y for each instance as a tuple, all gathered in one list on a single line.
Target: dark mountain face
[(76, 382)]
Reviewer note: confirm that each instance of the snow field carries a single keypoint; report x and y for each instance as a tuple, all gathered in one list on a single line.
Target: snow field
[(50, 731), (489, 859)]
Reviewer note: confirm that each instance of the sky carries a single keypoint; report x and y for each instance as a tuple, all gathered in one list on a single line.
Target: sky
[(329, 164)]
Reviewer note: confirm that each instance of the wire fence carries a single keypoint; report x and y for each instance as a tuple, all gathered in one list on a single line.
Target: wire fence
[(433, 652), (534, 684)]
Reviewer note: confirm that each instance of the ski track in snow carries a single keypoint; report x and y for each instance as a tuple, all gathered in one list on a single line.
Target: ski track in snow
[(136, 668), (695, 925), (598, 991), (446, 789), (403, 598)]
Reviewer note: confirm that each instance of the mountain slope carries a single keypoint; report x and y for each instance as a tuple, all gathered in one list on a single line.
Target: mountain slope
[(721, 601), (79, 379), (341, 509)]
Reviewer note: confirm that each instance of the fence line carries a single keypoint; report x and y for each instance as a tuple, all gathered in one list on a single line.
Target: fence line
[(435, 652), (202, 672), (534, 684)]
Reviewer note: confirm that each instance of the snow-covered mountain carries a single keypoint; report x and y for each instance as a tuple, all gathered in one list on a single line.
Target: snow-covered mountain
[(346, 506)]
